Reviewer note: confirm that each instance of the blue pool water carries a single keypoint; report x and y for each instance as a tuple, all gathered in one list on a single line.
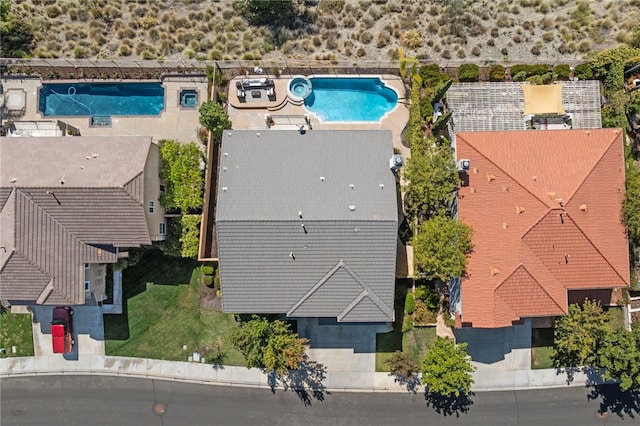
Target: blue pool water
[(101, 99), (350, 99)]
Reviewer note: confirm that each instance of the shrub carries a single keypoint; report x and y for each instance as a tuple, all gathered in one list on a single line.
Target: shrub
[(468, 72), (216, 281), (529, 70), (496, 73), (535, 79), (207, 270), (207, 280), (402, 365), (422, 314), (562, 71), (409, 304), (583, 71)]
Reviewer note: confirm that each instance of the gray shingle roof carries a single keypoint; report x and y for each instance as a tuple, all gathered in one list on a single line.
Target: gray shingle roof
[(48, 230), (341, 264)]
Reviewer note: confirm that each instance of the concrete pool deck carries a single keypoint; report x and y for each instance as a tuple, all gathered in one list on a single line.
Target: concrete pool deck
[(174, 122), (250, 113)]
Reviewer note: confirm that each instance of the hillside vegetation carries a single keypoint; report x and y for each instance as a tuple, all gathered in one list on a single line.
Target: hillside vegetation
[(437, 30)]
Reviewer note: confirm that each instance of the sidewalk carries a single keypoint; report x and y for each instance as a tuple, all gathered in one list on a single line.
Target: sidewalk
[(244, 377)]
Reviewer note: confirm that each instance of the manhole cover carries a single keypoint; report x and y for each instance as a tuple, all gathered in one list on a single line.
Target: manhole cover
[(159, 408)]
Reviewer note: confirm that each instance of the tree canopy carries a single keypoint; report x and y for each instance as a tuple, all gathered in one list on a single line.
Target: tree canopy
[(619, 358), (433, 179), (440, 248), (269, 345), (447, 369), (272, 13), (181, 172), (215, 118), (577, 335), (632, 203)]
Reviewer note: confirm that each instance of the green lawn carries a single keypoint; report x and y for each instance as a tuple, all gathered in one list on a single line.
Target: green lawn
[(541, 348), (162, 313), (414, 342), (15, 330)]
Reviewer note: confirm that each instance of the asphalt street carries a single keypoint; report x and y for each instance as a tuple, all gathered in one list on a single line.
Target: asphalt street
[(98, 400)]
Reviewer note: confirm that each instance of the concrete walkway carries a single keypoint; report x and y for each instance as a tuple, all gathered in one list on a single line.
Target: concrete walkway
[(240, 376)]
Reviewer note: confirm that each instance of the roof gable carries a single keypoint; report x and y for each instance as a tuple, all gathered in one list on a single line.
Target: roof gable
[(525, 296), (341, 293)]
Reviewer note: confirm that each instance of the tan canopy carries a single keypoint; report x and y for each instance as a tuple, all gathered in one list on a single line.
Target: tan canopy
[(545, 99)]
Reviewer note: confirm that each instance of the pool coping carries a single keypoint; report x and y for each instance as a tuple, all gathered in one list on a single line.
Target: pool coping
[(376, 76), (96, 81)]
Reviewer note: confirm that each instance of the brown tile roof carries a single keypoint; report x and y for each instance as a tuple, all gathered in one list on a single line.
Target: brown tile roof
[(545, 208), (49, 229)]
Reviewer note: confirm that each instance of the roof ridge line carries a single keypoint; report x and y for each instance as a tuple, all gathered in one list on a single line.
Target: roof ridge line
[(124, 187), (596, 248), (594, 167), (373, 296), (516, 181), (352, 305), (315, 287), (544, 290)]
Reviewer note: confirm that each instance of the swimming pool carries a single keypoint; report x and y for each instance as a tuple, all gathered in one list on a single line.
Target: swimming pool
[(101, 99), (350, 98)]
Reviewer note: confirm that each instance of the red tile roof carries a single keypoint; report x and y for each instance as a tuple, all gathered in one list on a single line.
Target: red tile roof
[(545, 207)]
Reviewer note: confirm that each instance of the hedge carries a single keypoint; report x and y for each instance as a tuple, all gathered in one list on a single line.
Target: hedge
[(496, 73), (583, 71), (529, 70), (562, 71), (468, 72), (207, 270)]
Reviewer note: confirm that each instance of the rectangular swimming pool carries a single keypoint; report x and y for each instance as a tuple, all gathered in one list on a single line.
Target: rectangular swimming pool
[(101, 99)]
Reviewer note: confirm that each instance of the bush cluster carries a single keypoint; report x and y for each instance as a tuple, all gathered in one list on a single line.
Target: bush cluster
[(468, 72)]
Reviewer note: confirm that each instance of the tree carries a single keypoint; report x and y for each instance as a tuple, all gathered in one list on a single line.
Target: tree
[(619, 358), (440, 248), (632, 203), (215, 118), (269, 345), (272, 13), (578, 335), (433, 179), (180, 171), (447, 369)]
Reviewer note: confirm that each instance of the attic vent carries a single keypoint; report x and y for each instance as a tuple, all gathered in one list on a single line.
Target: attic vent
[(583, 207), (505, 189), (381, 186), (352, 186), (551, 195), (321, 178), (535, 178), (224, 188), (300, 214), (13, 180), (258, 134), (352, 207), (472, 190), (520, 209), (475, 171), (494, 271), (490, 177), (505, 225)]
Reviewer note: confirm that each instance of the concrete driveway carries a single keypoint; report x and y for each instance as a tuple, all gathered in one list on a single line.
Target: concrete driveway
[(88, 331)]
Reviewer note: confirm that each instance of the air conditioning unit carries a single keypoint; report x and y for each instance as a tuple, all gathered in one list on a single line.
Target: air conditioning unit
[(464, 165), (395, 163)]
